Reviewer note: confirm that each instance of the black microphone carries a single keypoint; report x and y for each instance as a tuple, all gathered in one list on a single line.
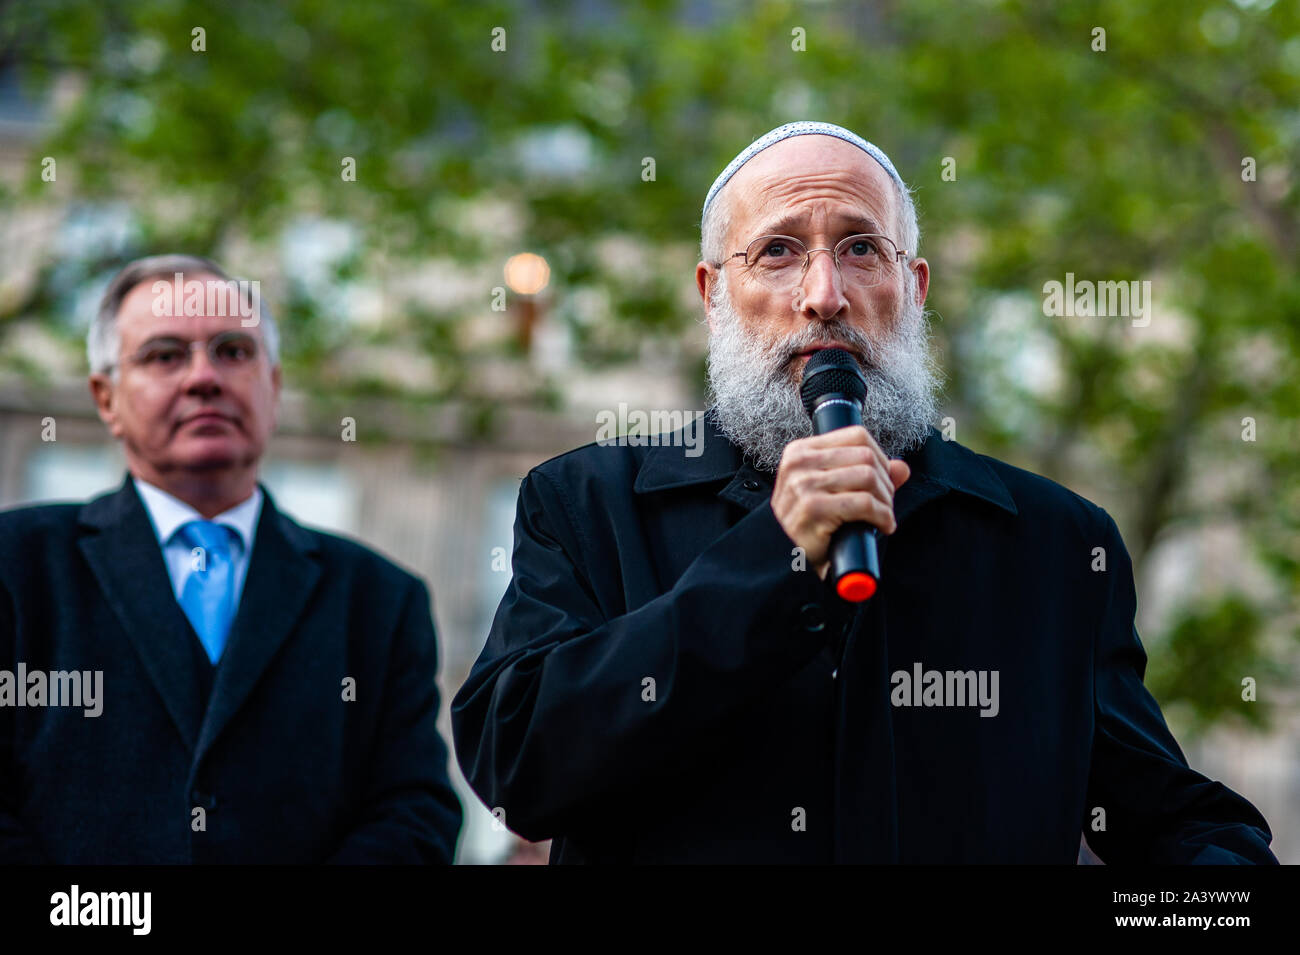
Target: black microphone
[(833, 391)]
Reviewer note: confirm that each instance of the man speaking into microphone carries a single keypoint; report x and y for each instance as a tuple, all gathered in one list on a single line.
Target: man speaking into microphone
[(691, 665)]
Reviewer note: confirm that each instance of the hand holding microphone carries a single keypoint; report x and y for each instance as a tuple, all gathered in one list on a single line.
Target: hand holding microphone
[(835, 490)]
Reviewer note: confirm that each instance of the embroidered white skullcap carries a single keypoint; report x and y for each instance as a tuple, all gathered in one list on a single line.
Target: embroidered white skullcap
[(803, 128)]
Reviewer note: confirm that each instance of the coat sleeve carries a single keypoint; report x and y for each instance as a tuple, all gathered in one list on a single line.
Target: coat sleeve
[(410, 813), (1157, 809), (559, 724), (17, 844)]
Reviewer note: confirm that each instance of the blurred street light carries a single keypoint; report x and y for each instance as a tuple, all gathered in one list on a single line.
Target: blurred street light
[(526, 274)]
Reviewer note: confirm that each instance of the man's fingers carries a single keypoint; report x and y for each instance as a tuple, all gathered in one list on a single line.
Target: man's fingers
[(845, 456), (860, 477), (861, 506), (847, 437), (835, 510)]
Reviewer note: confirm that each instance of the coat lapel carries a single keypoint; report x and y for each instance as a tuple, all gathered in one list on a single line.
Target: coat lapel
[(281, 576), (940, 466), (668, 466), (123, 553)]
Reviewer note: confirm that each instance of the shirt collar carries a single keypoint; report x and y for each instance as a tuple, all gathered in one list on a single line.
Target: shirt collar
[(168, 513), (947, 464)]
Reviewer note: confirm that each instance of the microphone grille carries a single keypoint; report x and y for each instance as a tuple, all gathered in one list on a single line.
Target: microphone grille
[(831, 371)]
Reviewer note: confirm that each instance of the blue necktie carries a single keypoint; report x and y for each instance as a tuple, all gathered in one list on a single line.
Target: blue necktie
[(208, 595)]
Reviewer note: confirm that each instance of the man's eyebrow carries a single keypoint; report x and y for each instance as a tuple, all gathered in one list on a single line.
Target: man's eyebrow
[(853, 224)]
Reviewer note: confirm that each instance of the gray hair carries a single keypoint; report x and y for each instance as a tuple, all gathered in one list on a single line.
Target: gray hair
[(104, 342), (716, 223)]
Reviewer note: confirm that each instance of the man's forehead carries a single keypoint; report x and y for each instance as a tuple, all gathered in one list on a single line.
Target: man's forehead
[(196, 306), (805, 176)]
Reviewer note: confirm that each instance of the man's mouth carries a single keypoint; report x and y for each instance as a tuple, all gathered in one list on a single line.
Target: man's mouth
[(206, 418), (802, 356), (796, 361)]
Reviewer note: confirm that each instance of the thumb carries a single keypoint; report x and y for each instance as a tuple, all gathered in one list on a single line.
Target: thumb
[(899, 472)]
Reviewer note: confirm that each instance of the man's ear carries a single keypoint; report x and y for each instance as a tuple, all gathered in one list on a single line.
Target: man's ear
[(922, 270), (276, 381), (706, 274), (104, 393)]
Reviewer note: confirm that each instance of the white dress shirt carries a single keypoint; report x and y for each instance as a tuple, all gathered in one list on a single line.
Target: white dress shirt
[(168, 513)]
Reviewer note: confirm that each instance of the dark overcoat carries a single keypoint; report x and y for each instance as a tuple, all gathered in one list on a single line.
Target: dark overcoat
[(665, 682)]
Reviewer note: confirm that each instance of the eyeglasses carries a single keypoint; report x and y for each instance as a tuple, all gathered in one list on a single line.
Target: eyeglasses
[(162, 357), (863, 260)]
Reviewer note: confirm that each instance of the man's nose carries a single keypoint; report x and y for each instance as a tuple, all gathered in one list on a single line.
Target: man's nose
[(822, 289), (201, 374)]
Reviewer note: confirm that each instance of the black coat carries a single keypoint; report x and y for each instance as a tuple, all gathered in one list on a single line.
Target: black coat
[(284, 768), (762, 743)]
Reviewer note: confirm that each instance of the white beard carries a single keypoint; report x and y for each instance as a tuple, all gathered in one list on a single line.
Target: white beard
[(755, 385)]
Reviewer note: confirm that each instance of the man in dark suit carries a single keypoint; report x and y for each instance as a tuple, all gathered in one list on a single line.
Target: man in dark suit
[(671, 676), (266, 693)]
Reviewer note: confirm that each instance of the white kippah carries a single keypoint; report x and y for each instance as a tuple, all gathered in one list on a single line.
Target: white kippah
[(804, 128)]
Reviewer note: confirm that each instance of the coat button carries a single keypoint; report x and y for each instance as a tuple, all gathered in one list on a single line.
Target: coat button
[(207, 800), (751, 485), (812, 617)]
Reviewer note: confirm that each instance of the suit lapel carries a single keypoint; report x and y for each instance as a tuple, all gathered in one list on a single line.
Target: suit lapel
[(281, 577), (123, 553)]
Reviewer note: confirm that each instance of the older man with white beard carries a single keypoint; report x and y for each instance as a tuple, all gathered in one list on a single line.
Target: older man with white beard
[(670, 677), (762, 412)]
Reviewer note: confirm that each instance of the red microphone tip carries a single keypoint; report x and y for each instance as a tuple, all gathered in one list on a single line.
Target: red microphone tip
[(856, 586)]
